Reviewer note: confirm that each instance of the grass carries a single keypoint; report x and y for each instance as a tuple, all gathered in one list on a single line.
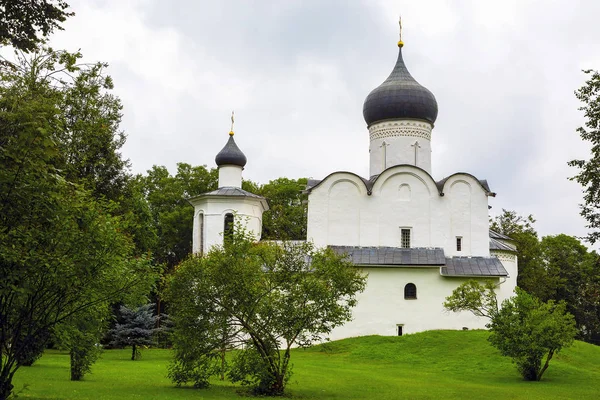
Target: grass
[(429, 365)]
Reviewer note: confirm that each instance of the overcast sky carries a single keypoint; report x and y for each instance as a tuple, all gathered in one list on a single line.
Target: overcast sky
[(297, 72)]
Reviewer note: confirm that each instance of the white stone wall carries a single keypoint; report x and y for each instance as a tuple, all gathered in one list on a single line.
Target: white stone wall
[(230, 175), (510, 262), (210, 211), (399, 142), (341, 212), (382, 306)]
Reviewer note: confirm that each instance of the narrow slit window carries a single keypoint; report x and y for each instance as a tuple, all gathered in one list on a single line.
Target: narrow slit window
[(458, 243), (201, 232), (399, 330), (228, 228), (405, 238)]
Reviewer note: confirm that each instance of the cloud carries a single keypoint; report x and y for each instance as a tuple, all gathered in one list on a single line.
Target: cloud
[(297, 73)]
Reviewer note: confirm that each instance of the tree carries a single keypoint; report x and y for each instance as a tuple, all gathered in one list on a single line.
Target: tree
[(286, 217), (21, 22), (61, 250), (531, 332), (171, 214), (480, 299), (589, 170), (260, 298), (573, 276), (532, 276), (80, 335), (524, 328), (136, 330)]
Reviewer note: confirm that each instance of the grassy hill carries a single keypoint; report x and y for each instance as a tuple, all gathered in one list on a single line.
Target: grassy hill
[(429, 365)]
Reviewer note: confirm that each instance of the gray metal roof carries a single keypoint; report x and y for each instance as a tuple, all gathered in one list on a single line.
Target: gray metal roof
[(473, 266), (496, 244), (450, 266), (392, 255), (496, 235), (231, 191)]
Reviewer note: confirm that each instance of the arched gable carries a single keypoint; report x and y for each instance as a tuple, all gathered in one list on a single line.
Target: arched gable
[(342, 176), (420, 174), (443, 185)]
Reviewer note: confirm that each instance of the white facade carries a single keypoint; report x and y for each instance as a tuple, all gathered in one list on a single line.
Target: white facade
[(382, 307), (399, 210), (228, 206), (230, 176), (399, 142), (210, 211), (342, 210)]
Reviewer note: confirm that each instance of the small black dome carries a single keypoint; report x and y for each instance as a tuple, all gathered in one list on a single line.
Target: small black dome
[(400, 96), (231, 154)]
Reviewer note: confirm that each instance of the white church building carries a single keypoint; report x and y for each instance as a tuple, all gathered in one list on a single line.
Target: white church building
[(417, 238)]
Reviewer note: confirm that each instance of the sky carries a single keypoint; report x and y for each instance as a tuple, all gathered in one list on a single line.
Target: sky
[(297, 73)]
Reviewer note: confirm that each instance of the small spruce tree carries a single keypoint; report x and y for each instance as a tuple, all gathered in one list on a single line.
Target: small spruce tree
[(136, 330)]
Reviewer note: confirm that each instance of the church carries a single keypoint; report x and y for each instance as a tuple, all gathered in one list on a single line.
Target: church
[(417, 238)]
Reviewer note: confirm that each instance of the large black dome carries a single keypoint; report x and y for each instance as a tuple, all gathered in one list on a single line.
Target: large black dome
[(400, 96), (231, 154)]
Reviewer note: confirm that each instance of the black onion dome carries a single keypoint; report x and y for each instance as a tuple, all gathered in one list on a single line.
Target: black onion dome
[(400, 96), (231, 154)]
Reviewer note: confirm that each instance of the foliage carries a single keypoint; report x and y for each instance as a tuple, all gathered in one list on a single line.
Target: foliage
[(525, 328), (61, 250), (262, 299), (136, 330), (22, 21), (286, 217), (531, 332), (80, 335), (573, 276), (171, 213), (556, 268), (589, 170), (480, 299), (521, 230)]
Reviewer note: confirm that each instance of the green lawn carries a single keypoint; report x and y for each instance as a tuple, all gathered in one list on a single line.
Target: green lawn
[(430, 365)]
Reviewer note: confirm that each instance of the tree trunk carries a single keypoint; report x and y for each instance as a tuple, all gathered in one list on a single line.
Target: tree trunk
[(222, 364), (75, 356), (6, 388), (133, 353), (278, 385)]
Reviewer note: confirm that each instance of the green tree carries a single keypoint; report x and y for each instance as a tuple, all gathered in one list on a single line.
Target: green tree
[(171, 215), (288, 209), (473, 296), (61, 250), (136, 329), (22, 22), (261, 298), (80, 335), (531, 332), (573, 276), (532, 276), (524, 328), (589, 170)]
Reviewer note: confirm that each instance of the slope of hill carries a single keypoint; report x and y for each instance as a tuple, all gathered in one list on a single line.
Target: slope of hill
[(429, 365)]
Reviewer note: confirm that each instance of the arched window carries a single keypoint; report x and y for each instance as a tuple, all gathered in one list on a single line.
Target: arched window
[(410, 291), (201, 232), (228, 228)]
